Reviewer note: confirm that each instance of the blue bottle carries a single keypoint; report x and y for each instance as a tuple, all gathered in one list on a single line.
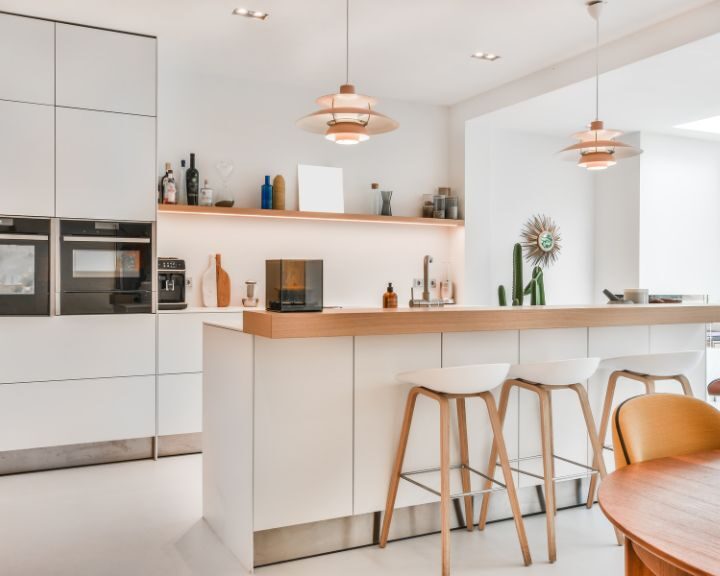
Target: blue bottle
[(267, 191)]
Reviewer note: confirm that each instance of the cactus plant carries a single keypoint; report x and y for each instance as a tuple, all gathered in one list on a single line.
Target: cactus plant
[(517, 276), (536, 287), (502, 297)]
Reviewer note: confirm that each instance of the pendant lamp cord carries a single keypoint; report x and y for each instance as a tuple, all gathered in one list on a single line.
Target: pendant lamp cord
[(597, 68), (347, 41)]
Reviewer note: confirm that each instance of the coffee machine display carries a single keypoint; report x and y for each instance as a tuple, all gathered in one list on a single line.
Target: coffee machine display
[(171, 284)]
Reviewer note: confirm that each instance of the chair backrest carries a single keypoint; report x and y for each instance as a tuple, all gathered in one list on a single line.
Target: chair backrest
[(662, 425)]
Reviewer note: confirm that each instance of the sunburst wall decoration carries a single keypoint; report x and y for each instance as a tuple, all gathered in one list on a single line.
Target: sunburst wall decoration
[(541, 240)]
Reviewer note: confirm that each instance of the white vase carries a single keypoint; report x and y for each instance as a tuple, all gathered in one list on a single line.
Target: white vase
[(209, 284)]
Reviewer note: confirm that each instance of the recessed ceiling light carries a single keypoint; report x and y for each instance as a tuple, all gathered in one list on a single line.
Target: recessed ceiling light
[(256, 14), (709, 125), (489, 56)]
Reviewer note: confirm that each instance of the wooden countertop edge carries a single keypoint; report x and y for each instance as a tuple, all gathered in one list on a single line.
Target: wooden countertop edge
[(404, 321)]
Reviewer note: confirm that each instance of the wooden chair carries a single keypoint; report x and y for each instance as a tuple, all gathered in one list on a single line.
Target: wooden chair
[(662, 425)]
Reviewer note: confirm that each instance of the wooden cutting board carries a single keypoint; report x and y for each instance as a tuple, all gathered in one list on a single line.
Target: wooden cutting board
[(223, 284)]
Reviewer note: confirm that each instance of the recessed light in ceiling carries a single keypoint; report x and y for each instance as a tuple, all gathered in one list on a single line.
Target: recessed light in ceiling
[(489, 56), (256, 14), (709, 125)]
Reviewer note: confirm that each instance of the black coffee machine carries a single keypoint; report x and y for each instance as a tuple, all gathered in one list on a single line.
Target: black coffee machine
[(171, 284)]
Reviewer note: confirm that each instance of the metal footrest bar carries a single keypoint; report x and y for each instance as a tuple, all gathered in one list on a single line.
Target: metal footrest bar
[(608, 447), (405, 476), (564, 478)]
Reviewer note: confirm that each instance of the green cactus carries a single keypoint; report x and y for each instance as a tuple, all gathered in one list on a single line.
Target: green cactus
[(502, 297), (541, 288), (536, 288), (517, 276)]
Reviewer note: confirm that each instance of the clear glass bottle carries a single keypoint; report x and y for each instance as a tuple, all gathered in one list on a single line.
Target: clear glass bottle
[(206, 195), (181, 185)]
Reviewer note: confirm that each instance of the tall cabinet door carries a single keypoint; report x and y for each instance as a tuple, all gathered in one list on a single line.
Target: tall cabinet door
[(105, 165), (102, 70), (27, 151), (27, 60)]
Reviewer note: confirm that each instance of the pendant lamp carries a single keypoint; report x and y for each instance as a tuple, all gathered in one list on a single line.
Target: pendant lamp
[(597, 148), (347, 117)]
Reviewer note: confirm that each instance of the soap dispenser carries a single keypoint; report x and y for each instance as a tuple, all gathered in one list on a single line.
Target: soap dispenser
[(390, 299)]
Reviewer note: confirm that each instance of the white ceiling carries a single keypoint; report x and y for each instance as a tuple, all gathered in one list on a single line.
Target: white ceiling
[(655, 94), (415, 50)]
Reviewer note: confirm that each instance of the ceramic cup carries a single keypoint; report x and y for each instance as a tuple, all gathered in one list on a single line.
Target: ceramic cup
[(637, 295)]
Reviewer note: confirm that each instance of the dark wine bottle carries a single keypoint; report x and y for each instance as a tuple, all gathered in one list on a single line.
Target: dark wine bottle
[(192, 183)]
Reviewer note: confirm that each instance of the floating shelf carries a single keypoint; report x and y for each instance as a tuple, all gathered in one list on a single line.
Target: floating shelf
[(296, 215)]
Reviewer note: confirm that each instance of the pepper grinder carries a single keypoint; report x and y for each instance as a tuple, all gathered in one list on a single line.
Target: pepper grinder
[(250, 301)]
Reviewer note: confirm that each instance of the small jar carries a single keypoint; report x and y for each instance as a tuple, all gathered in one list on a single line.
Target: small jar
[(451, 208), (428, 207)]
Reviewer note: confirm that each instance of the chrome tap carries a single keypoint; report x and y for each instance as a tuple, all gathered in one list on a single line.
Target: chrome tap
[(426, 277), (426, 301)]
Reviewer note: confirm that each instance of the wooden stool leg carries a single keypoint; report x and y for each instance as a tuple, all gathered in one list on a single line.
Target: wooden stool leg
[(465, 461), (598, 460), (687, 389), (649, 386), (546, 435), (604, 423), (499, 443), (492, 463), (552, 448), (445, 483), (397, 468)]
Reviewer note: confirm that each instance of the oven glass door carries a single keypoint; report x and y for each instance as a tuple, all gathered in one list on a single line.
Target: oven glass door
[(95, 264), (24, 275)]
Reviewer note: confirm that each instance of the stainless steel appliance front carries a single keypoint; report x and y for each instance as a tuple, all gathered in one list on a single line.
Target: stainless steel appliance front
[(105, 267)]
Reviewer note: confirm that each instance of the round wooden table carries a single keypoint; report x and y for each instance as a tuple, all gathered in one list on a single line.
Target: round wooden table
[(669, 511)]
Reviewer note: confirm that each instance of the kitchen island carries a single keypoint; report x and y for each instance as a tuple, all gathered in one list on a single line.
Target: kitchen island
[(302, 412)]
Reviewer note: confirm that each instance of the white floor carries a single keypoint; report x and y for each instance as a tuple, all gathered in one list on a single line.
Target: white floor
[(145, 519)]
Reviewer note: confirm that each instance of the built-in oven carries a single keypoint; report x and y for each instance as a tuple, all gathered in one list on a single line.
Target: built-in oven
[(24, 266), (105, 267)]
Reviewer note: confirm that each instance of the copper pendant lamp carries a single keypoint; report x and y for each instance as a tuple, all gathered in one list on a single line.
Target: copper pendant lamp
[(597, 148), (347, 117)]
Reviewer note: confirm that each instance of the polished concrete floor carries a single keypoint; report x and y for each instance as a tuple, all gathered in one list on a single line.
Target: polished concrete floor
[(144, 519)]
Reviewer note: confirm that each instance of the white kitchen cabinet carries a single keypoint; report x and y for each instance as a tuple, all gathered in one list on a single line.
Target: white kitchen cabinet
[(303, 430), (103, 70), (105, 165), (27, 60), (180, 339), (68, 347), (41, 414), (27, 149), (379, 407), (179, 404)]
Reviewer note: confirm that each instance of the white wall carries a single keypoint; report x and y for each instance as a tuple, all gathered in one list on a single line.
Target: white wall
[(253, 125), (359, 258), (510, 177), (617, 225), (683, 29), (679, 214)]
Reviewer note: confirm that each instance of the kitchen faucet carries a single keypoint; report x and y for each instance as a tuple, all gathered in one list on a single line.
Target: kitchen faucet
[(426, 301), (426, 277)]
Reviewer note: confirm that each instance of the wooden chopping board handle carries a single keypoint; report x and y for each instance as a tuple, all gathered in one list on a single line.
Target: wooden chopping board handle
[(223, 284)]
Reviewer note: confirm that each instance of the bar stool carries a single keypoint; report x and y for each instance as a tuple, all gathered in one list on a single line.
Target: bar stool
[(443, 385), (543, 379), (647, 369)]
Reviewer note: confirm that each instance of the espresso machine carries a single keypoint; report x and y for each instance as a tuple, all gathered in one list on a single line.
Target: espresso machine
[(171, 284)]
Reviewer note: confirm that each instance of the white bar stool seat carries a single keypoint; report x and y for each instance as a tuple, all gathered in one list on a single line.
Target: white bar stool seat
[(562, 373), (543, 379), (443, 385), (646, 369), (458, 380), (660, 365)]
